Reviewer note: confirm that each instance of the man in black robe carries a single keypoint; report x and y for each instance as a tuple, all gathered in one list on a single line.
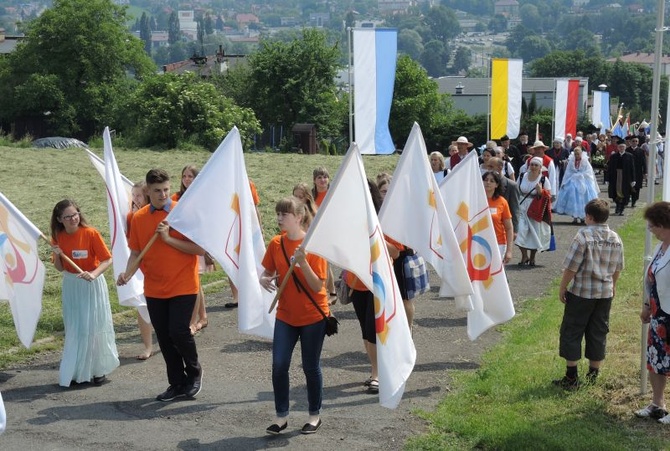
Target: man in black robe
[(621, 177)]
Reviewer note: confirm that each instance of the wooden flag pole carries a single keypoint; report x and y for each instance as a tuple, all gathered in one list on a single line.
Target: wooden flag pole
[(132, 268), (282, 286), (63, 256)]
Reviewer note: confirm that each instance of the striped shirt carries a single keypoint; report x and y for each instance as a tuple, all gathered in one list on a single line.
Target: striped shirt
[(595, 254)]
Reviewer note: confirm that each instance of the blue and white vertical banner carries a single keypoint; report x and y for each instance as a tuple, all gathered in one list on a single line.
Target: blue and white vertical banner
[(600, 116), (375, 51)]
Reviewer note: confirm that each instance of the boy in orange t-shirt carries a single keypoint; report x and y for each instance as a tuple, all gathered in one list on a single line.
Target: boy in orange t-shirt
[(171, 284)]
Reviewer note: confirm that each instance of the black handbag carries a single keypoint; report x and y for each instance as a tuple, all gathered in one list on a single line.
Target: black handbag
[(332, 324)]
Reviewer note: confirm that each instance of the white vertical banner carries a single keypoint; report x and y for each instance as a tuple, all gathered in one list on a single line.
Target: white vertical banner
[(600, 115), (375, 51), (118, 207)]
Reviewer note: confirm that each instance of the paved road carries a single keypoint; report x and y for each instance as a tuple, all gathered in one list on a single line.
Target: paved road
[(235, 405)]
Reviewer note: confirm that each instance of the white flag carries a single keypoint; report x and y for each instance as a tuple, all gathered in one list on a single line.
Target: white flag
[(99, 164), (414, 214), (118, 207), (3, 416), (217, 212), (21, 269), (346, 232), (465, 199)]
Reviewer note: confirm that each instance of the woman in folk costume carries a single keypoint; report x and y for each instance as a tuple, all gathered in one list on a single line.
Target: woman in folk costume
[(532, 235), (578, 188)]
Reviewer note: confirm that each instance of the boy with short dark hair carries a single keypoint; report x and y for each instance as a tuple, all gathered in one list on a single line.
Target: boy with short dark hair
[(593, 264), (171, 284)]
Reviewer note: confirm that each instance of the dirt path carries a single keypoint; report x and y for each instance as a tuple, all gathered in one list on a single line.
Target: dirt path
[(236, 403)]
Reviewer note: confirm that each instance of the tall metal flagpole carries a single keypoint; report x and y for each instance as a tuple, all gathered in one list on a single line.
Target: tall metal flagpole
[(651, 170), (351, 90)]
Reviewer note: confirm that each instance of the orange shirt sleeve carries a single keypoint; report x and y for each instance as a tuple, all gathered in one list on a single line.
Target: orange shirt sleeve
[(254, 193)]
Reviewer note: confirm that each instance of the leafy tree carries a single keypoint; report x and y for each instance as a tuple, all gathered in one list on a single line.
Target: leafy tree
[(145, 33), (434, 58), (498, 24), (533, 47), (209, 25), (174, 33), (443, 23), (410, 43), (529, 14), (416, 99), (293, 82), (516, 36), (462, 59), (581, 39), (170, 109), (78, 53)]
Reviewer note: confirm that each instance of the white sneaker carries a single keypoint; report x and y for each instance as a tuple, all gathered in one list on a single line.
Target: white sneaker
[(664, 420), (653, 411)]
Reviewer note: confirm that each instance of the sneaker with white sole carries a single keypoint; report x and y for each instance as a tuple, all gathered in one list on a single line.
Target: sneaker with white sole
[(665, 419), (653, 411)]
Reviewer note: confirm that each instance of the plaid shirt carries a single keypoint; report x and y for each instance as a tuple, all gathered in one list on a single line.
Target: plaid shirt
[(595, 254)]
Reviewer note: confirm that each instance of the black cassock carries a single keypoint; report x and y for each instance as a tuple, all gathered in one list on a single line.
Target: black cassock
[(626, 164)]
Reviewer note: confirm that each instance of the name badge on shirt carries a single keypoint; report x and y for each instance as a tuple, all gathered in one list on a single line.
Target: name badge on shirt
[(79, 255), (493, 210)]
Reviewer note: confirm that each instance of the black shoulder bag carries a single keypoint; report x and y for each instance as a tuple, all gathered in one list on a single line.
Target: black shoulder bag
[(332, 324)]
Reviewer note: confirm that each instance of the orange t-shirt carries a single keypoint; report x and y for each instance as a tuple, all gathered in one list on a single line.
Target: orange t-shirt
[(294, 306), (354, 282), (320, 196), (175, 197), (85, 248), (500, 211), (168, 272)]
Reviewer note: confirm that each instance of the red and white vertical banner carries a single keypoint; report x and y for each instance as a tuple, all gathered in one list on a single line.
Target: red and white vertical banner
[(567, 107)]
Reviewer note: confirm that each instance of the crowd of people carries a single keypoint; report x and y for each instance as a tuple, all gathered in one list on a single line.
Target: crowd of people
[(516, 179)]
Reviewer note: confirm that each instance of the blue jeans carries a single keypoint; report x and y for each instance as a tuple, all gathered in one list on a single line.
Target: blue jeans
[(311, 341)]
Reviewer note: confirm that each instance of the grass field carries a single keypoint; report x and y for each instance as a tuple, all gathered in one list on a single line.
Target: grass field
[(510, 404), (35, 179)]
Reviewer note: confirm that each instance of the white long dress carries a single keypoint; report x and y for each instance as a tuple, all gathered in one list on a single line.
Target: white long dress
[(531, 234), (578, 188)]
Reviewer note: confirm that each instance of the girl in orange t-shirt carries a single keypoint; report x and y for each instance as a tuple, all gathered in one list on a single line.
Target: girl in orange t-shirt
[(140, 198), (199, 318), (89, 351), (297, 316), (500, 214), (321, 180)]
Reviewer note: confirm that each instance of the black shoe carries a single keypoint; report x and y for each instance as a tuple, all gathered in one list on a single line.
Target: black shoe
[(567, 383), (230, 305), (591, 377), (172, 392), (192, 390), (310, 428), (275, 429), (99, 380)]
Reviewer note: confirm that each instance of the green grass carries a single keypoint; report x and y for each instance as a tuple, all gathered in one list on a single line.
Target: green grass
[(35, 179), (509, 403)]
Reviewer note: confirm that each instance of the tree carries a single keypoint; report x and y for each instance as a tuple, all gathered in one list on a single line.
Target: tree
[(443, 23), (170, 109), (174, 33), (82, 52), (533, 47), (145, 33), (434, 58), (410, 43), (209, 25), (498, 24), (462, 59), (293, 82), (416, 99)]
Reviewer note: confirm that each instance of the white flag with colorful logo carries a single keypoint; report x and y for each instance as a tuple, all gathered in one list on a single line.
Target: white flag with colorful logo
[(21, 270), (347, 233), (471, 218), (217, 212), (375, 52), (567, 108), (506, 94), (414, 214), (118, 207)]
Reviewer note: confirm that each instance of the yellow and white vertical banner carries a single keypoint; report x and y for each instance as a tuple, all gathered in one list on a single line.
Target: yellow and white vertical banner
[(506, 79)]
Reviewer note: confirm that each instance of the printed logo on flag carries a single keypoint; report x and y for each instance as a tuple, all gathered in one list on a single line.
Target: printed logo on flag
[(383, 280), (475, 245), (235, 233), (20, 259)]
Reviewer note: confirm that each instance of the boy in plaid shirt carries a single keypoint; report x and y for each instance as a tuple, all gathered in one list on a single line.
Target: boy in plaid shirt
[(593, 264)]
